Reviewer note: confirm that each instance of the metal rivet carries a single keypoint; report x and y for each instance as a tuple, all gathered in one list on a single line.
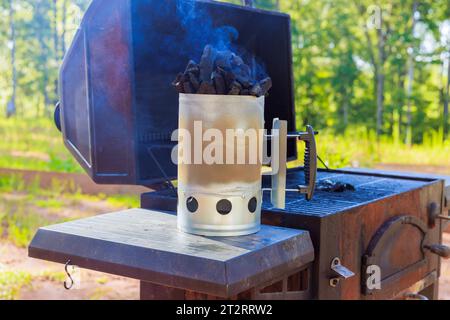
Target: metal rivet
[(334, 282)]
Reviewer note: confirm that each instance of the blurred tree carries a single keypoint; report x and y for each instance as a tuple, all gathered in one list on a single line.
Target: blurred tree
[(11, 107), (380, 64)]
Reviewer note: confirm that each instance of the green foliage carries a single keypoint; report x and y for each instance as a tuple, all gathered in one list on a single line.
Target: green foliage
[(51, 276), (26, 207), (11, 282), (124, 201), (34, 144), (21, 226), (358, 146), (11, 183)]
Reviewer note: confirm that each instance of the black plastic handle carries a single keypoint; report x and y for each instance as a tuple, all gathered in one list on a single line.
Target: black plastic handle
[(310, 163)]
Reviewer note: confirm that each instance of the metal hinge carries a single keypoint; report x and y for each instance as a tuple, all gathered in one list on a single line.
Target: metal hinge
[(341, 272)]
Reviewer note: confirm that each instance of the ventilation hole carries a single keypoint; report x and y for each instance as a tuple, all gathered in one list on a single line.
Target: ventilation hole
[(298, 281), (224, 207), (253, 205), (192, 204), (273, 288)]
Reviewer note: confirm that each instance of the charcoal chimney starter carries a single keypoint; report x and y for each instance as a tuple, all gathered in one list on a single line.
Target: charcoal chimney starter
[(220, 197)]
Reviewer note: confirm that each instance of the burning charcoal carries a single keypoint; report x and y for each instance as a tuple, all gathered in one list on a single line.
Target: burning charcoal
[(245, 92), (219, 83), (220, 72), (206, 87), (266, 85), (235, 88), (223, 60), (188, 87), (256, 90), (194, 81), (207, 63), (334, 186), (229, 78), (192, 67), (178, 83), (243, 75)]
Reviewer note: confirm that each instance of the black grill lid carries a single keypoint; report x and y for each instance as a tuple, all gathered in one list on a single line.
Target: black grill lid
[(118, 109)]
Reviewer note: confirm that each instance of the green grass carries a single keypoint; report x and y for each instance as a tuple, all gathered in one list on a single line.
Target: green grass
[(26, 207), (34, 144), (120, 201), (18, 224), (357, 147), (52, 276), (11, 282)]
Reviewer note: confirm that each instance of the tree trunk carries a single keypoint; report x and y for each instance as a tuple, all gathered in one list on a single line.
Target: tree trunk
[(408, 138), (447, 99), (56, 39), (44, 56), (11, 108), (64, 28), (55, 29), (400, 103), (345, 107), (380, 81)]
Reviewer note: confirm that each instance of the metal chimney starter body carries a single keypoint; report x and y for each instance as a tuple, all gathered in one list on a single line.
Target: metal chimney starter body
[(221, 199)]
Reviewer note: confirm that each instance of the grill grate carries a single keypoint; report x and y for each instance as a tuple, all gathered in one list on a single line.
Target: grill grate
[(368, 189)]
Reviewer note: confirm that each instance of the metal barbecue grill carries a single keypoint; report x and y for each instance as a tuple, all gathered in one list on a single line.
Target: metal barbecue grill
[(117, 113), (367, 189)]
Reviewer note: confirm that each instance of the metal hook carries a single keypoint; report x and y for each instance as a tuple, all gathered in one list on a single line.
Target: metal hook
[(68, 287)]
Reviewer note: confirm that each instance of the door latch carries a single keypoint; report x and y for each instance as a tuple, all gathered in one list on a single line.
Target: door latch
[(340, 272)]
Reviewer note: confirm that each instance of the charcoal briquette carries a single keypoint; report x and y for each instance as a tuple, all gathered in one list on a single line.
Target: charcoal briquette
[(266, 85), (256, 90), (219, 83), (206, 87), (187, 87), (192, 67), (223, 60), (178, 83), (220, 72), (245, 92), (194, 81), (235, 88)]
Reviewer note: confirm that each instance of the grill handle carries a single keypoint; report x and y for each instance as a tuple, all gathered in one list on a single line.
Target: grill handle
[(279, 139), (310, 164), (441, 250)]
